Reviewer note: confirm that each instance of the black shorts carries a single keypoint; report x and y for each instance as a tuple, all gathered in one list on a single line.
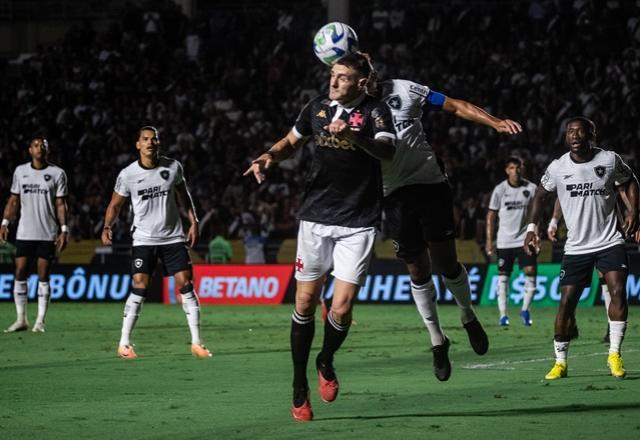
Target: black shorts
[(506, 258), (418, 214), (577, 270), (36, 249), (174, 257)]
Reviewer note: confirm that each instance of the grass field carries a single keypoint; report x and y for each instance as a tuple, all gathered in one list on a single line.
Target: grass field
[(68, 383)]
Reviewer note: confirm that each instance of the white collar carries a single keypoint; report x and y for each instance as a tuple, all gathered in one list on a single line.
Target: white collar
[(350, 105)]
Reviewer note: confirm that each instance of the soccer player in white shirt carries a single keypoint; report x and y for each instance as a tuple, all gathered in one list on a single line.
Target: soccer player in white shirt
[(510, 201), (585, 180), (155, 184), (39, 188)]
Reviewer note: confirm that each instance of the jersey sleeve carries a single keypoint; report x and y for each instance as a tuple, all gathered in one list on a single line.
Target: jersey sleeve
[(423, 95), (621, 171), (382, 122), (61, 185), (121, 186), (15, 184), (302, 126), (548, 181), (179, 174), (496, 198)]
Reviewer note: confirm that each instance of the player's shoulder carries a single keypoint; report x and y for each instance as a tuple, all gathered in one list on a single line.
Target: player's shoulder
[(605, 154), (501, 186), (23, 167), (57, 169), (168, 162), (411, 87)]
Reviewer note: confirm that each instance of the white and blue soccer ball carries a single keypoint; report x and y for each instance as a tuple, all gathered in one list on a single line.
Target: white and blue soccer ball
[(333, 41)]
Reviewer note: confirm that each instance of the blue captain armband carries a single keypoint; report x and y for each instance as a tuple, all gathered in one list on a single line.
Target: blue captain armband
[(435, 99)]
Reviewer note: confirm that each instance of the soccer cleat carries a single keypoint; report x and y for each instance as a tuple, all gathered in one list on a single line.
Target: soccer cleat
[(126, 352), (526, 318), (303, 412), (504, 321), (18, 326), (441, 364), (605, 338), (477, 336), (558, 371), (615, 364), (328, 385), (38, 327), (200, 351)]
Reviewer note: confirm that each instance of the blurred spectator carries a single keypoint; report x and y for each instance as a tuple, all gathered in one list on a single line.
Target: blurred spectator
[(220, 250)]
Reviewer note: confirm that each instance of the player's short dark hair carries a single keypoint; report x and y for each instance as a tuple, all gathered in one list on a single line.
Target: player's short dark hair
[(514, 160), (148, 128), (42, 139), (586, 122), (358, 61)]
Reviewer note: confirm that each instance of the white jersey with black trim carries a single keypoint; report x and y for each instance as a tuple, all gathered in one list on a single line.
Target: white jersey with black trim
[(587, 196), (38, 190), (414, 161), (156, 219), (512, 205)]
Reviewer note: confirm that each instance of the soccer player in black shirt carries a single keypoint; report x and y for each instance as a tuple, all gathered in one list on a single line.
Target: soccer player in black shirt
[(341, 207)]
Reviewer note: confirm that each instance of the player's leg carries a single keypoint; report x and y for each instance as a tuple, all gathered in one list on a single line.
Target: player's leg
[(607, 300), (143, 261), (529, 266), (20, 290), (614, 265), (45, 253), (506, 258)]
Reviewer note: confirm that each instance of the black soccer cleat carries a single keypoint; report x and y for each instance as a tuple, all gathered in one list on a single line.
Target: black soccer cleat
[(441, 364), (477, 336)]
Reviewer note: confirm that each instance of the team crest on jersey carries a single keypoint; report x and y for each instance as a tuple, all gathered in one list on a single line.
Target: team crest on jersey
[(526, 193), (137, 263), (164, 174), (47, 177), (600, 170), (394, 102), (322, 114), (356, 120)]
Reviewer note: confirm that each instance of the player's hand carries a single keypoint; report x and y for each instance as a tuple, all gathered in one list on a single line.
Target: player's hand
[(61, 241), (488, 248), (508, 126), (637, 236), (532, 244), (339, 128), (630, 225), (4, 233), (107, 236), (193, 234), (259, 166), (552, 233)]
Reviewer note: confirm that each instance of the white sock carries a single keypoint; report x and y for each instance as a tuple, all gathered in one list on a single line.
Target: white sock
[(607, 299), (459, 286), (20, 298), (44, 294), (561, 349), (529, 290), (425, 298), (503, 282), (616, 335), (191, 307), (131, 312)]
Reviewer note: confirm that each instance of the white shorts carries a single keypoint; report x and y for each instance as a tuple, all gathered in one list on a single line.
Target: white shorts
[(321, 247)]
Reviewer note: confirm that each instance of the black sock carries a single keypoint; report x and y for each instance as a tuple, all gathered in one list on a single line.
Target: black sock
[(334, 336), (302, 330)]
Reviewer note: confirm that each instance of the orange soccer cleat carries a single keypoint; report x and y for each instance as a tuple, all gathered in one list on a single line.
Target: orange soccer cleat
[(126, 352)]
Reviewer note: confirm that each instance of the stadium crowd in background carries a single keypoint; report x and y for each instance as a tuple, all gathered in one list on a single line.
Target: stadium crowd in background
[(215, 102)]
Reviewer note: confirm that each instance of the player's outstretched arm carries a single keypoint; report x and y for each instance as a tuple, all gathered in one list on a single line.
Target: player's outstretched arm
[(280, 151), (186, 201), (381, 148), (491, 221), (61, 214), (630, 192), (466, 110), (113, 210), (532, 240), (9, 213)]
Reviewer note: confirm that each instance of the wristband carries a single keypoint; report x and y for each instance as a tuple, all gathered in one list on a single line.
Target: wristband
[(553, 224), (531, 227), (5, 222), (65, 229)]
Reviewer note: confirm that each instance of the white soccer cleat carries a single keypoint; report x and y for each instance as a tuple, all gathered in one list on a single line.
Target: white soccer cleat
[(38, 327), (18, 326)]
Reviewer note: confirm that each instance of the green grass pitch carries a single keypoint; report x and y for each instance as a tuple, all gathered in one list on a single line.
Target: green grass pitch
[(68, 383)]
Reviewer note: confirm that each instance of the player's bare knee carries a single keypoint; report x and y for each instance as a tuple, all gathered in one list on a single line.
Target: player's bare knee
[(139, 283), (342, 313), (306, 303)]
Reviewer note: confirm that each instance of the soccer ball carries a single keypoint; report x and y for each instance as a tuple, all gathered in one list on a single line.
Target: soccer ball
[(333, 41)]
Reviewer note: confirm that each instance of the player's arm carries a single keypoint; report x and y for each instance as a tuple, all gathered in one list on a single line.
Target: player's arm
[(491, 221), (110, 217), (630, 192), (186, 201), (465, 110), (278, 152), (532, 240), (10, 210), (61, 214), (552, 228), (382, 148)]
